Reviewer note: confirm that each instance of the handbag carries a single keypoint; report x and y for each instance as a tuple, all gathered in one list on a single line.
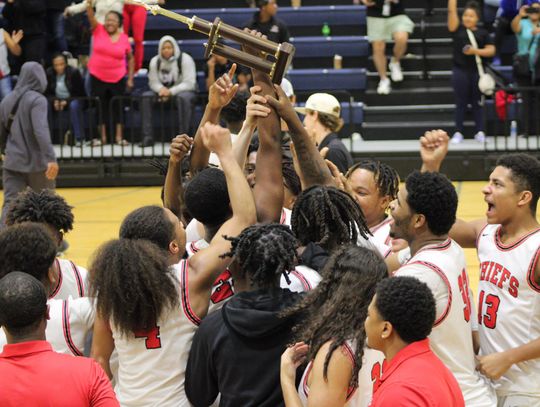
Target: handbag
[(486, 83), (520, 65)]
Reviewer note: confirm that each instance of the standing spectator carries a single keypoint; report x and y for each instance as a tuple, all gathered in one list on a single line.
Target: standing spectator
[(506, 12), (29, 158), (65, 83), (526, 25), (11, 43), (386, 20), (172, 77), (107, 67), (465, 71), (265, 22), (28, 16), (135, 19), (55, 25), (322, 121), (41, 376)]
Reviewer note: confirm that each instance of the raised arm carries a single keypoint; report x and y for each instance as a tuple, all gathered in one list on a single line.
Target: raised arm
[(207, 264), (516, 22), (453, 18), (173, 191), (12, 41), (91, 16)]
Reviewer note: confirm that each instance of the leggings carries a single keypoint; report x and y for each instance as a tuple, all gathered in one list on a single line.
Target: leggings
[(105, 91), (135, 18), (466, 92)]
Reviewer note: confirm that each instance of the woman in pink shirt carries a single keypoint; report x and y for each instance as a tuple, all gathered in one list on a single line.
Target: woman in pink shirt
[(107, 66)]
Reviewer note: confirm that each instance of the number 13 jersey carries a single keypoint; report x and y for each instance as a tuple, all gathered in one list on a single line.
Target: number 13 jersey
[(509, 304)]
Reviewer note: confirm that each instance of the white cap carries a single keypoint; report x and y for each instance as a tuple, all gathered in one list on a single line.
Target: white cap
[(287, 87), (322, 103)]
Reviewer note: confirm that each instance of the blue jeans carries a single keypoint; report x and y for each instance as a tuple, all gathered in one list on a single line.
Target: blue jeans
[(55, 29), (466, 92), (5, 86), (75, 116)]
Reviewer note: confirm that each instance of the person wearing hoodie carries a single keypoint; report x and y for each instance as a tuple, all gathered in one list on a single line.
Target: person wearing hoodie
[(172, 77), (236, 352), (29, 159)]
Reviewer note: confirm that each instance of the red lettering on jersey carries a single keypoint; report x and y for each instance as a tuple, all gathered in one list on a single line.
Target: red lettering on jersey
[(222, 288), (505, 275), (489, 271), (499, 275), (483, 269), (513, 288), (496, 270), (152, 340)]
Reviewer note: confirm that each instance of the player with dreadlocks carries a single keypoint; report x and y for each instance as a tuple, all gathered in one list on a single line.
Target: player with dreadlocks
[(50, 209), (374, 185), (236, 351), (331, 336)]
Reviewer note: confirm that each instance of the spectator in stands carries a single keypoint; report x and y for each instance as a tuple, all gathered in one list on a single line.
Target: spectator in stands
[(107, 67), (64, 85), (506, 12), (172, 77), (28, 16), (55, 25), (215, 67), (41, 376), (103, 7), (135, 19), (386, 20), (29, 160), (526, 25), (465, 71), (11, 43), (265, 21), (322, 121)]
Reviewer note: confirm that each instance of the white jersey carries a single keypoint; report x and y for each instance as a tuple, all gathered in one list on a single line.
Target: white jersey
[(373, 364), (509, 305), (381, 237), (442, 267), (72, 280), (70, 322), (152, 364)]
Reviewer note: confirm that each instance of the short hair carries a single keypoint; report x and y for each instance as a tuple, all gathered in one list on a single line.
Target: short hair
[(261, 3), (207, 197), (235, 111), (149, 223), (27, 247), (525, 174), (44, 206), (328, 217), (386, 177), (433, 195), (408, 304), (23, 303), (264, 252), (117, 14), (329, 121), (474, 6), (59, 55)]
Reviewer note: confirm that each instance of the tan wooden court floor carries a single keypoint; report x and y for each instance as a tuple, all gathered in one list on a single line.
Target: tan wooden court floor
[(99, 212)]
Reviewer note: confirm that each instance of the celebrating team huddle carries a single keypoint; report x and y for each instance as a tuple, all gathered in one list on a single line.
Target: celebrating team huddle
[(347, 290)]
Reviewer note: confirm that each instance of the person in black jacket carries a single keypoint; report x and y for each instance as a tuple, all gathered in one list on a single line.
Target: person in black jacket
[(236, 351), (64, 85), (265, 22)]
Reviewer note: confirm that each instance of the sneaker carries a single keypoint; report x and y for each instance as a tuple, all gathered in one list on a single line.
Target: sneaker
[(384, 87), (457, 138), (480, 137), (78, 144), (395, 71)]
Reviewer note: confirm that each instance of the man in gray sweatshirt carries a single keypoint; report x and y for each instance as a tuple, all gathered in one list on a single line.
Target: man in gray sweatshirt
[(29, 159)]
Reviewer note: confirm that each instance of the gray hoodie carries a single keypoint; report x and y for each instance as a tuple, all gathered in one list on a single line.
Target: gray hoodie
[(168, 74), (29, 146)]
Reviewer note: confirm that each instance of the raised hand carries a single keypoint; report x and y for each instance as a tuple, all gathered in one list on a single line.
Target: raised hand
[(216, 138), (282, 105), (256, 106), (180, 146), (433, 149), (293, 357), (223, 90), (17, 36)]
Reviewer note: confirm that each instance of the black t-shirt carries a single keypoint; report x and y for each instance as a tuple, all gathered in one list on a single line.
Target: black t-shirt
[(218, 69), (461, 39), (337, 152), (274, 29), (396, 9)]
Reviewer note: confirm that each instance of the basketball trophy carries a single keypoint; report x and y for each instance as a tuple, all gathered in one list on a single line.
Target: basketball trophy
[(274, 60)]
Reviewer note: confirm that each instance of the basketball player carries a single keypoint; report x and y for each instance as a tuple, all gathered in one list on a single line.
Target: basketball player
[(151, 320), (50, 209), (29, 248), (508, 245), (423, 214)]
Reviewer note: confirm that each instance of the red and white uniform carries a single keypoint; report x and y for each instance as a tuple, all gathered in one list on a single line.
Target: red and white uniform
[(509, 305), (72, 280), (381, 237), (70, 321), (152, 364), (442, 267), (371, 370)]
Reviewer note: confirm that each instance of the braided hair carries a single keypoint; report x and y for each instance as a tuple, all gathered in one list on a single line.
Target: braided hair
[(328, 217), (264, 252), (337, 308), (386, 177)]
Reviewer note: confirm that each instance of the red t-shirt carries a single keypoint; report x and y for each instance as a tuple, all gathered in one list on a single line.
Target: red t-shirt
[(416, 377), (33, 375), (108, 59)]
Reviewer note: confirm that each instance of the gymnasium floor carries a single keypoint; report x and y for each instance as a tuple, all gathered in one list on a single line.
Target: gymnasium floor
[(99, 211)]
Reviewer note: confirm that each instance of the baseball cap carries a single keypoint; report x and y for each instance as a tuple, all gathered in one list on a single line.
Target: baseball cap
[(287, 87), (322, 103)]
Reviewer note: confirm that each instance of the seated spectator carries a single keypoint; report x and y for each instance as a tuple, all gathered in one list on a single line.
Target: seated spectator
[(465, 71), (11, 43), (399, 320), (322, 120), (265, 21), (107, 67), (526, 25), (386, 20), (64, 83), (172, 77), (41, 376)]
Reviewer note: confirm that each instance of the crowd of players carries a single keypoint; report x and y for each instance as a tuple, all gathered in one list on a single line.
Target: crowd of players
[(291, 284)]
